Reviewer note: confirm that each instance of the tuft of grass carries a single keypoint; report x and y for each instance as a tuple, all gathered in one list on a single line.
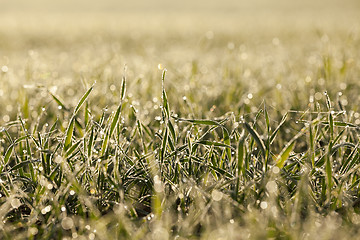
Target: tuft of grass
[(177, 154)]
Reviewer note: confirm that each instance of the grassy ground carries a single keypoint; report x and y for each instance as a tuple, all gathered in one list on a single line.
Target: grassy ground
[(135, 121)]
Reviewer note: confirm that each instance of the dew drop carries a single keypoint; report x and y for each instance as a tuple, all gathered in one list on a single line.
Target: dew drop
[(216, 195), (263, 205), (91, 236), (33, 231), (275, 170), (15, 203), (67, 223)]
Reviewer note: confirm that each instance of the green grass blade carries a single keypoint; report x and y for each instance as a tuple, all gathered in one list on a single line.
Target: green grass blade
[(69, 133), (284, 154), (222, 172), (328, 170), (21, 165), (163, 145), (331, 125), (164, 96), (123, 88), (115, 120), (8, 153), (82, 100), (57, 100), (72, 148), (267, 119), (90, 143), (172, 130), (344, 144), (86, 114), (240, 153), (216, 144), (104, 145), (199, 121), (256, 137), (227, 142), (273, 135)]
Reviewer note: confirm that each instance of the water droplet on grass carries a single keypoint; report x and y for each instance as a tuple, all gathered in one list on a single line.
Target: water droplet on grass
[(67, 223), (271, 186), (216, 195), (263, 205), (15, 203), (32, 231), (275, 170)]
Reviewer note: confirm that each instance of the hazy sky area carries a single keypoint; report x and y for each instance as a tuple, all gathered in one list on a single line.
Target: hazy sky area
[(167, 12)]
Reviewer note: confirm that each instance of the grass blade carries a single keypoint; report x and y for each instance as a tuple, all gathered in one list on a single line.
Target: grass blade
[(222, 172), (273, 135), (227, 141), (211, 143), (163, 145), (82, 100), (57, 100), (164, 96), (105, 143), (115, 120), (72, 149), (256, 137), (284, 154), (240, 153), (8, 153), (69, 134), (331, 125), (199, 121), (123, 88)]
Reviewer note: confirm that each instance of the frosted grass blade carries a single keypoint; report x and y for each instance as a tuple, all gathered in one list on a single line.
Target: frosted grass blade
[(256, 137)]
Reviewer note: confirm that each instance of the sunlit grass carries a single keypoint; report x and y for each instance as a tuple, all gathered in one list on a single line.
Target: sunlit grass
[(206, 134)]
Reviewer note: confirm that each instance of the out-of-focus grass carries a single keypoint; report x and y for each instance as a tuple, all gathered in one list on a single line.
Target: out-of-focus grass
[(252, 132)]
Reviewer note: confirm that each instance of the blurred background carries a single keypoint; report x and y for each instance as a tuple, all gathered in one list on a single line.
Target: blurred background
[(19, 14), (248, 46)]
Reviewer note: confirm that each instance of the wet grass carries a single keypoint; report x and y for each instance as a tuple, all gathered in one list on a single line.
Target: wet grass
[(241, 137)]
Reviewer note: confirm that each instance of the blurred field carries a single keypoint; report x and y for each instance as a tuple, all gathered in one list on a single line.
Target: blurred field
[(251, 132), (152, 16)]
